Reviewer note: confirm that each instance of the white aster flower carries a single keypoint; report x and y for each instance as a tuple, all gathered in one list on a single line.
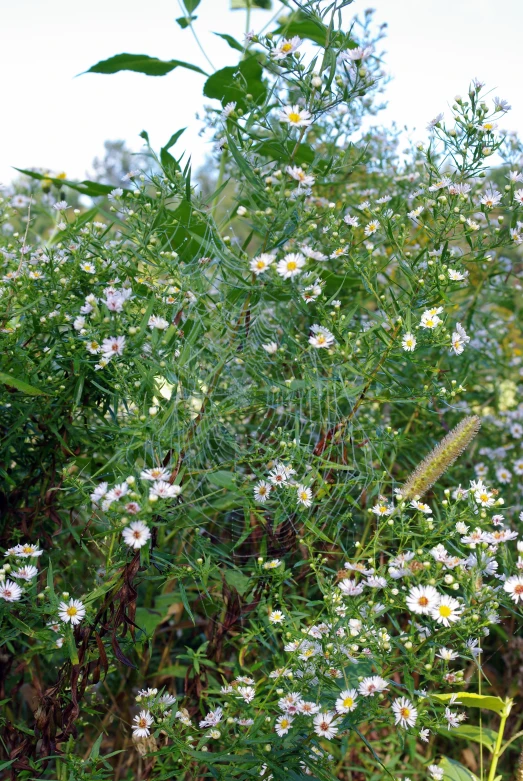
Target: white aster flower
[(321, 337), (405, 714), (71, 612), (142, 724), (295, 117), (291, 265), (136, 534)]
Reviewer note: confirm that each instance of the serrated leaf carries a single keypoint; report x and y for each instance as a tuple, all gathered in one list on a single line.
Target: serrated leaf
[(21, 385), (140, 63)]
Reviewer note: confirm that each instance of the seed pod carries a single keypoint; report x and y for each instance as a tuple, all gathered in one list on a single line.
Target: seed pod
[(439, 460)]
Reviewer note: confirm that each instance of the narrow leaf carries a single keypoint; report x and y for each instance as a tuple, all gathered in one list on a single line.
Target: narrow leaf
[(24, 387)]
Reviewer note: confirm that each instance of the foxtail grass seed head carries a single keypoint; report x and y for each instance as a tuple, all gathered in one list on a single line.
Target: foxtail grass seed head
[(441, 458)]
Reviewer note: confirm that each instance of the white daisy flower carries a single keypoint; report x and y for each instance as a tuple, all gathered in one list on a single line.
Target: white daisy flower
[(422, 599), (447, 611), (346, 702), (10, 591), (142, 724), (291, 265), (261, 263), (405, 714), (296, 117), (325, 725), (136, 534), (321, 337), (71, 612)]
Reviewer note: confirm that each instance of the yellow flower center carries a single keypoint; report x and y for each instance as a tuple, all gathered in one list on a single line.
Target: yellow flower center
[(260, 264), (294, 117), (292, 265), (71, 611), (405, 713), (423, 601), (286, 47), (348, 702), (444, 611), (321, 339)]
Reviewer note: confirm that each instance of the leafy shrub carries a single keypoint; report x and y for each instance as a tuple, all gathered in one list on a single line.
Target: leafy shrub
[(225, 554)]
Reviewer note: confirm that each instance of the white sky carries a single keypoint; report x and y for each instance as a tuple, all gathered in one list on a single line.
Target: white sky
[(54, 120)]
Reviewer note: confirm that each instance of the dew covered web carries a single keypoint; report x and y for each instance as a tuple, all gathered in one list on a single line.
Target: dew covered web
[(235, 406)]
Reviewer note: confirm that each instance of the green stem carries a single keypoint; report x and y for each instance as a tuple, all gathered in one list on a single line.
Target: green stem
[(499, 740), (221, 174)]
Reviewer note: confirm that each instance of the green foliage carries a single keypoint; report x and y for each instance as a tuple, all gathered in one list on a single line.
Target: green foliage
[(140, 63), (213, 395)]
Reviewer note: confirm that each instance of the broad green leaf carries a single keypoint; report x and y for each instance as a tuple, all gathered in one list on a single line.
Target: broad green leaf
[(276, 150), (484, 735), (147, 619), (24, 387), (469, 700), (233, 43), (86, 187), (236, 579), (191, 5), (305, 26), (140, 63), (233, 83), (222, 479), (455, 771)]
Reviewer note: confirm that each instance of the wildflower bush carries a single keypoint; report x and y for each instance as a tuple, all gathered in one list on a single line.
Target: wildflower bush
[(261, 456)]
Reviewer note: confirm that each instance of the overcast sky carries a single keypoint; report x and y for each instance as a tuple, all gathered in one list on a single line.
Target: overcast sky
[(52, 119)]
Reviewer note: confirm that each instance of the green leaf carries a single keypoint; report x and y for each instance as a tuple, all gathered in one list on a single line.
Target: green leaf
[(277, 150), (80, 221), (185, 21), (86, 187), (455, 771), (305, 26), (222, 479), (237, 580), (147, 619), (24, 387), (469, 700), (232, 84), (169, 163), (487, 737), (95, 750), (191, 5), (265, 5), (233, 43), (140, 63)]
